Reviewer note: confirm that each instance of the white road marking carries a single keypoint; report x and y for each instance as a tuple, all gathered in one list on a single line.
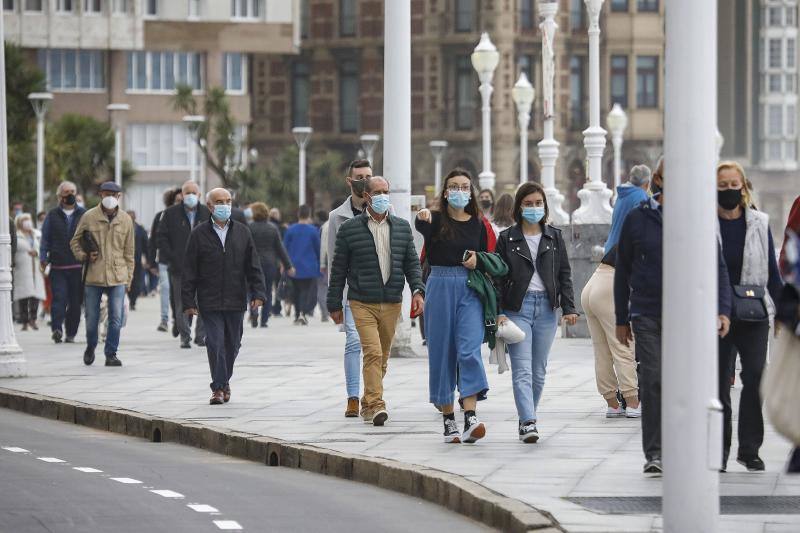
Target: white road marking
[(202, 508), (51, 459), (228, 525), (167, 493), (87, 469), (125, 480), (14, 449)]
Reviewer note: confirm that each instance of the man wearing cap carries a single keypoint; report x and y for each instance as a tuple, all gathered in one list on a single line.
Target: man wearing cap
[(104, 242)]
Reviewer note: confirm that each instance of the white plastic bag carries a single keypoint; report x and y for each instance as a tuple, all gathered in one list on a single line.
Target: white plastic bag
[(780, 386)]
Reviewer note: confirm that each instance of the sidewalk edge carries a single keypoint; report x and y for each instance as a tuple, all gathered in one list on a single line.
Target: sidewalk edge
[(451, 491)]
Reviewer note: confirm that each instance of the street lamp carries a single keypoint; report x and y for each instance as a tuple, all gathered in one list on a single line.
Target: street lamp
[(118, 110), (193, 124), (484, 61), (523, 94), (40, 103), (617, 121), (438, 148), (301, 136), (720, 142), (368, 143)]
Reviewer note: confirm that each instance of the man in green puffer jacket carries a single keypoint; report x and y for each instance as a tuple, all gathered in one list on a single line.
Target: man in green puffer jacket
[(375, 255)]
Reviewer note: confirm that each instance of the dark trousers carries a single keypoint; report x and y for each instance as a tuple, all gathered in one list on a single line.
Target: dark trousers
[(305, 296), (647, 332), (794, 462), (182, 320), (137, 284), (750, 340), (223, 339), (28, 308), (67, 289), (270, 275)]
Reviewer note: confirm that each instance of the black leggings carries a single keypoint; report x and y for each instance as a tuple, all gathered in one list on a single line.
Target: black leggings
[(305, 296), (28, 309)]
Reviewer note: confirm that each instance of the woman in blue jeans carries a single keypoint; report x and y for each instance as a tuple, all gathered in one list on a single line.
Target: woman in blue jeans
[(539, 281)]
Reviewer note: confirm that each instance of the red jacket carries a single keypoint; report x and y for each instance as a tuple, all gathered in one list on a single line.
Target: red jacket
[(792, 224)]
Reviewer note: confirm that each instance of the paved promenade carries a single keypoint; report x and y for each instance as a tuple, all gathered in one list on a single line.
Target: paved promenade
[(289, 384)]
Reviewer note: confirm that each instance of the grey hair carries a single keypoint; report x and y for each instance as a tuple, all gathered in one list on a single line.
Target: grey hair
[(65, 184), (370, 181), (640, 175)]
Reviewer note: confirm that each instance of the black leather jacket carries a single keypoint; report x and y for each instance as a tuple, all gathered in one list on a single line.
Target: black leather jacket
[(552, 264)]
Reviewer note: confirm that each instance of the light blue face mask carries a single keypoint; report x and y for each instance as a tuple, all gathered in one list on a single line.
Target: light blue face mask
[(190, 200), (380, 203), (458, 199), (222, 212), (248, 213), (534, 215)]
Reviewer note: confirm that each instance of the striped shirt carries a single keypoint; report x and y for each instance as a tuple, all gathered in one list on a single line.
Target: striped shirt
[(380, 234)]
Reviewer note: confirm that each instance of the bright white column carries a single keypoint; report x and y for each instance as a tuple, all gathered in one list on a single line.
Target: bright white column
[(368, 143), (523, 94), (617, 121), (116, 111), (595, 207), (12, 360), (548, 146), (301, 136), (193, 123), (719, 142), (691, 456), (484, 61), (438, 149), (40, 103)]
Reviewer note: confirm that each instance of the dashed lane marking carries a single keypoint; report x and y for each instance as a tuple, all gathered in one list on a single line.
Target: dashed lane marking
[(86, 469), (168, 493), (126, 480), (14, 449), (51, 459), (202, 508), (228, 525)]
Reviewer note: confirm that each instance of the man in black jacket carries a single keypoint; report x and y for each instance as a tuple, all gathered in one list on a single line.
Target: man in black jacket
[(221, 265), (173, 233)]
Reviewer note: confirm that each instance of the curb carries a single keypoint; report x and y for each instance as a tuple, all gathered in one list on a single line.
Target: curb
[(451, 491)]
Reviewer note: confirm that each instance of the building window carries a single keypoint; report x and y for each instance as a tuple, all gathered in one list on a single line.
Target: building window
[(348, 96), (347, 18), (121, 6), (33, 5), (647, 6), (647, 81), (775, 16), (791, 83), (791, 53), (246, 9), (577, 92), (775, 83), (305, 19), (775, 120), (791, 151), (774, 150), (619, 80), (8, 5), (619, 6), (73, 70), (163, 71), (526, 14), (577, 17), (791, 120), (301, 93), (92, 6), (151, 8), (234, 72), (158, 146), (774, 59), (465, 15), (791, 16), (64, 6), (195, 9), (465, 94)]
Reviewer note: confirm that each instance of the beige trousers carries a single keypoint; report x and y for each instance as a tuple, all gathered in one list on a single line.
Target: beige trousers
[(614, 363)]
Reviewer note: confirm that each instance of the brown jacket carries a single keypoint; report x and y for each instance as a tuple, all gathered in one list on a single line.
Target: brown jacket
[(116, 262)]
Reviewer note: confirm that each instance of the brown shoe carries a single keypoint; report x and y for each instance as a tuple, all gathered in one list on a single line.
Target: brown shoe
[(226, 394), (217, 398), (352, 408)]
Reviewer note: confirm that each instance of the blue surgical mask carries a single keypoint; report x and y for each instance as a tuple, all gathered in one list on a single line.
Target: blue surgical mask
[(458, 199), (534, 215), (380, 203), (222, 212), (190, 200)]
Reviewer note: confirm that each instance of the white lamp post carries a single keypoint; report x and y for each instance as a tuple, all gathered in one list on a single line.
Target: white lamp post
[(40, 103), (368, 143), (617, 121), (12, 361), (301, 136), (523, 94), (720, 142), (193, 123), (118, 110), (484, 61), (438, 148)]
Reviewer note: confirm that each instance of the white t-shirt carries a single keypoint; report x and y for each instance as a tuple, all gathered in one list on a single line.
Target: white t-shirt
[(536, 284)]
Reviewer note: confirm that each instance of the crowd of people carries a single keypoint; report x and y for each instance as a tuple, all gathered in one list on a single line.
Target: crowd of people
[(494, 272)]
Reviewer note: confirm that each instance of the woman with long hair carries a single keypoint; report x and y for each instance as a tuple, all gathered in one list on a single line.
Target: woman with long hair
[(503, 217), (453, 312), (28, 279)]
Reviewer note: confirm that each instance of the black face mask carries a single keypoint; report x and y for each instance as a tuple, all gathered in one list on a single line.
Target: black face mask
[(486, 204), (358, 187), (729, 198), (655, 189), (68, 200)]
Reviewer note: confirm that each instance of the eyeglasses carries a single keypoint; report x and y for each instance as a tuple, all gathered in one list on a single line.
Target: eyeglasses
[(463, 188)]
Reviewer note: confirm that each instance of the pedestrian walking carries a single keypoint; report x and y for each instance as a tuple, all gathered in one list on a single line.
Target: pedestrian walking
[(221, 265), (637, 305), (503, 215), (28, 284), (139, 251), (158, 265), (322, 281), (358, 172), (104, 239), (65, 270), (374, 256), (454, 315), (272, 255), (486, 203), (538, 283), (173, 233), (749, 253), (630, 195), (302, 244)]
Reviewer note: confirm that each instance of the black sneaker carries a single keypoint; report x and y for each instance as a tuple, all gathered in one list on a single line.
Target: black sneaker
[(57, 337), (162, 327), (473, 428), (451, 433), (175, 331), (88, 356), (254, 321), (653, 467), (112, 360), (753, 464), (200, 342), (528, 433), (186, 344)]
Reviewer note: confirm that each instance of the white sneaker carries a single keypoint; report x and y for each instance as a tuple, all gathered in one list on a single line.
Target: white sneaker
[(632, 412), (615, 412)]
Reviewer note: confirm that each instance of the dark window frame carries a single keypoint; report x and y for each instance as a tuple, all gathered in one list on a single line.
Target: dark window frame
[(464, 16), (617, 73), (301, 74), (646, 75), (464, 103), (647, 6), (527, 14), (579, 118), (348, 118), (348, 22)]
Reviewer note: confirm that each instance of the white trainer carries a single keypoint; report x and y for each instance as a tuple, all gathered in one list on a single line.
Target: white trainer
[(634, 412), (615, 412)]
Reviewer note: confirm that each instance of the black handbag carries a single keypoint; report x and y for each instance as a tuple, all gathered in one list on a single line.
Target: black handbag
[(748, 303)]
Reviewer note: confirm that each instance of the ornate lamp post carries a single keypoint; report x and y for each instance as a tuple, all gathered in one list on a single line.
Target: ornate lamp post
[(119, 110), (617, 121), (40, 103), (301, 137), (193, 123), (368, 143), (484, 61), (438, 148), (523, 94)]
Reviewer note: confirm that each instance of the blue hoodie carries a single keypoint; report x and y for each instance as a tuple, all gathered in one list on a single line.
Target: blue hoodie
[(629, 197)]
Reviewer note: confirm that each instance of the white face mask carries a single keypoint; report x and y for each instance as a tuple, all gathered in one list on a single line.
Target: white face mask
[(109, 202), (27, 225)]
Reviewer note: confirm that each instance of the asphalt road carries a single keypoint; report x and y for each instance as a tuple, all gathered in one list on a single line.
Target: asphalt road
[(59, 477)]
